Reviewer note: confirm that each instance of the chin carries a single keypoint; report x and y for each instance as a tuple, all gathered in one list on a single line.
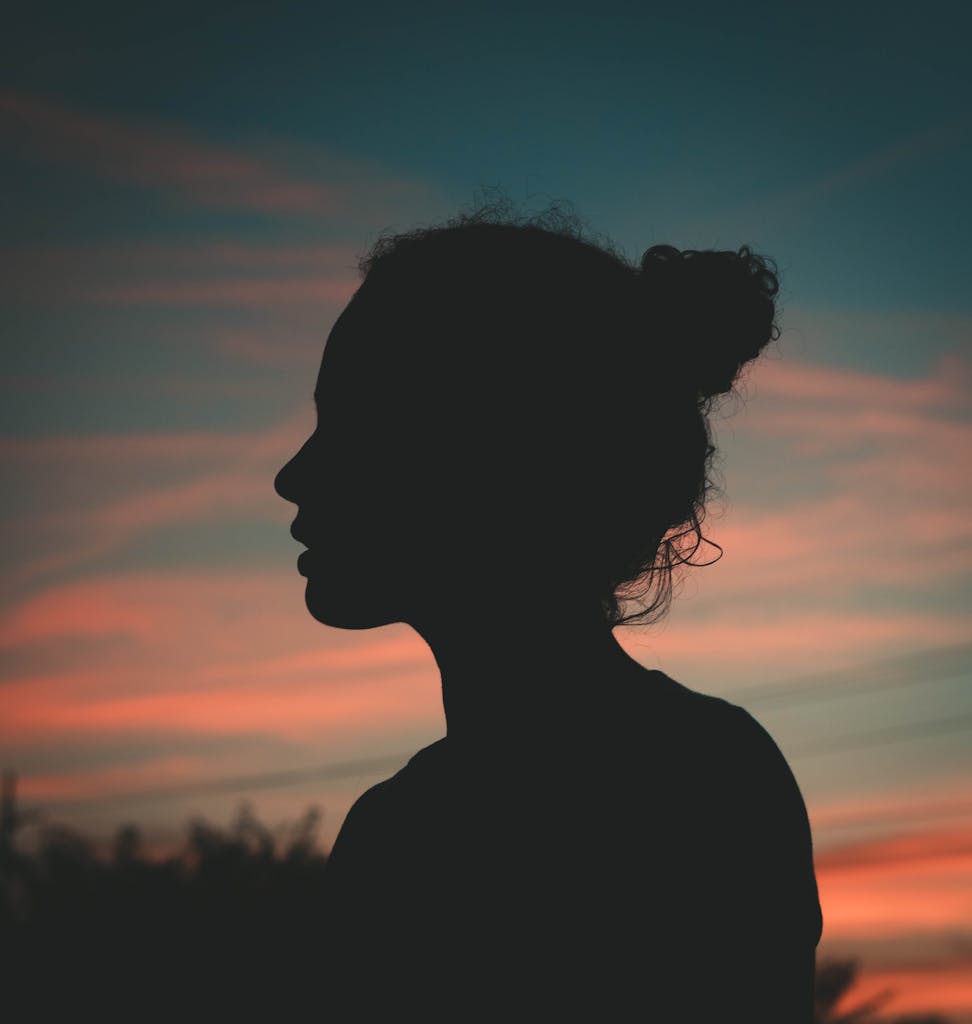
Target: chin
[(345, 608)]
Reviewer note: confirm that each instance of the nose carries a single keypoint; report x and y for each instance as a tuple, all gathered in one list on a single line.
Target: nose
[(280, 482), (285, 482)]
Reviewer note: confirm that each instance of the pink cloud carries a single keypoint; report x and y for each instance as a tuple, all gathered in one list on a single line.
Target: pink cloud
[(841, 481), (904, 804), (133, 449), (124, 487), (27, 451), (862, 418), (828, 430), (790, 380), (265, 349), (794, 637), (169, 157), (837, 545), (242, 293), (105, 781), (203, 273)]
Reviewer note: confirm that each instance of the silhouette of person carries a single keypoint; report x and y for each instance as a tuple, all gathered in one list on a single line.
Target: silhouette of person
[(512, 444)]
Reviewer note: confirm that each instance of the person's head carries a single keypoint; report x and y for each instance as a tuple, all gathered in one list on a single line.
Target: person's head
[(508, 410)]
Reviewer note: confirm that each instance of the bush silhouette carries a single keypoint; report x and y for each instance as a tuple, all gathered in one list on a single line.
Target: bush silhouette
[(233, 917), (231, 924)]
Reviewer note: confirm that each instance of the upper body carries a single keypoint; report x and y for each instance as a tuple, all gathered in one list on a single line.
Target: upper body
[(512, 442), (662, 859)]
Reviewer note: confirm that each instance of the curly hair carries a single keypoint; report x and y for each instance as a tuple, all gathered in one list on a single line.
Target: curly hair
[(617, 365)]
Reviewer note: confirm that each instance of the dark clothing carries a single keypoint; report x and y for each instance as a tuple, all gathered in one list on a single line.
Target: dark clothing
[(654, 867)]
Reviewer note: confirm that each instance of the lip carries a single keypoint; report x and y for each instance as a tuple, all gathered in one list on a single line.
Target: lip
[(302, 562)]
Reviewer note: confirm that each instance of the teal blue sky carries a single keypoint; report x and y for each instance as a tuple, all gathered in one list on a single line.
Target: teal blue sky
[(835, 139), (835, 136)]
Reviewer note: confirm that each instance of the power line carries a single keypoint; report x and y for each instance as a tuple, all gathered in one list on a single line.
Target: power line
[(366, 766), (925, 812), (267, 780), (915, 669), (878, 737)]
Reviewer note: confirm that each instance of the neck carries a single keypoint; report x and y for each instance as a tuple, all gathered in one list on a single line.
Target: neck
[(512, 679)]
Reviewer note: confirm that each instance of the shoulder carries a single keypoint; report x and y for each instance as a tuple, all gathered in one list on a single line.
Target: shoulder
[(736, 732), (390, 806), (764, 836), (773, 841), (740, 763), (703, 721), (761, 766)]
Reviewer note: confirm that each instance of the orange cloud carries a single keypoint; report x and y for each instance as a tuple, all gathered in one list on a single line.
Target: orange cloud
[(204, 653), (196, 617), (207, 636), (942, 988), (42, 709), (904, 901), (907, 884), (924, 848)]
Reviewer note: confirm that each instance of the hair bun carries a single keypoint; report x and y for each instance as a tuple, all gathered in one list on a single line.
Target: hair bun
[(718, 309)]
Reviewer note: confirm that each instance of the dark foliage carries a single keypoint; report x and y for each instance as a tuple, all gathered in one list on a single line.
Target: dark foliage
[(231, 922), (231, 925)]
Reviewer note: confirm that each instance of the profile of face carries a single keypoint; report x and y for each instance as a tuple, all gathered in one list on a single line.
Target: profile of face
[(349, 484), (420, 483)]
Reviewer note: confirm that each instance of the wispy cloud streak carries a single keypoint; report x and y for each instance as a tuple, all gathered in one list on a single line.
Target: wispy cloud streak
[(171, 158), (201, 273)]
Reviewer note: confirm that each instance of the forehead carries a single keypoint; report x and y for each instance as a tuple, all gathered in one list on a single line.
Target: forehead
[(369, 349), (345, 349), (404, 340)]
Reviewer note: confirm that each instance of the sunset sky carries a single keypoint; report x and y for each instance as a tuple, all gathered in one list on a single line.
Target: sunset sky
[(185, 193)]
